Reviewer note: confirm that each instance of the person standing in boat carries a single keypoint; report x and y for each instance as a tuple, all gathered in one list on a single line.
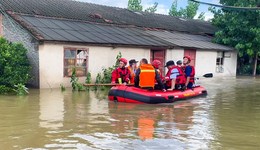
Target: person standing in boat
[(121, 74), (132, 68), (146, 76), (175, 78), (189, 72)]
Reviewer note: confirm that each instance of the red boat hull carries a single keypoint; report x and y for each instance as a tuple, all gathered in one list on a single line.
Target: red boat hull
[(130, 94)]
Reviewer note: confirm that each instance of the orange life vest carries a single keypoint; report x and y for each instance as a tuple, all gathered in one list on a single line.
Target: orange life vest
[(147, 76)]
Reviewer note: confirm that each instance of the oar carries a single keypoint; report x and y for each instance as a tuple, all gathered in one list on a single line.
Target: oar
[(107, 84)]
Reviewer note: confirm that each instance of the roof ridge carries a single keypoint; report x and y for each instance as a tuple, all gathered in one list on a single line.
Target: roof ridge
[(97, 4), (98, 13), (70, 19)]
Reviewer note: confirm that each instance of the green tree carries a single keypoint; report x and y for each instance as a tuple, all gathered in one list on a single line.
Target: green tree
[(14, 66), (189, 12), (135, 5), (174, 9), (152, 9), (239, 29)]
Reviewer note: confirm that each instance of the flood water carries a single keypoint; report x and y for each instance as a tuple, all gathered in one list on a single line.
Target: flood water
[(228, 118)]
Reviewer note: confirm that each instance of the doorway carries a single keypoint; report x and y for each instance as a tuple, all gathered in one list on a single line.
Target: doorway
[(159, 55)]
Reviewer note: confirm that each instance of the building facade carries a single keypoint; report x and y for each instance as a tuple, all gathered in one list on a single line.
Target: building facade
[(56, 43)]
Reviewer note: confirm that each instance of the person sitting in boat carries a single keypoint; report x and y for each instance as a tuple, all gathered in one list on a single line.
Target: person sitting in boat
[(132, 68), (156, 64), (121, 74), (175, 78), (189, 72), (146, 76)]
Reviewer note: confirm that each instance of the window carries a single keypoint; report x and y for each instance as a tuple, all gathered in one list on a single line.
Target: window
[(220, 62), (77, 58)]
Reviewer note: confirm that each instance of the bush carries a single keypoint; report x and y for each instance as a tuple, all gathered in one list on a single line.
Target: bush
[(105, 77), (5, 90), (14, 65), (76, 86), (245, 70), (21, 89)]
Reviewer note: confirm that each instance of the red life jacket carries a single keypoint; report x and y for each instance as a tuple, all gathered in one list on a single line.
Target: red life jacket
[(192, 75), (181, 79), (124, 74)]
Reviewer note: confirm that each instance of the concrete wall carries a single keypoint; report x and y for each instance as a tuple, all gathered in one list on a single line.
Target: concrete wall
[(206, 61), (15, 33), (51, 57), (230, 64), (174, 54)]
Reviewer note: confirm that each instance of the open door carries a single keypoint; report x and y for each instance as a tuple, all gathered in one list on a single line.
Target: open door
[(159, 55)]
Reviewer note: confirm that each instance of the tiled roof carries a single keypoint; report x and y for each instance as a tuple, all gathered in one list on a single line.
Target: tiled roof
[(103, 14), (189, 40), (49, 29)]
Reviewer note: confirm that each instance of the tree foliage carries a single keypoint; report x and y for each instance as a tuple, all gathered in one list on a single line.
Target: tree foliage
[(14, 66), (135, 5), (152, 9), (239, 29), (189, 12), (174, 11)]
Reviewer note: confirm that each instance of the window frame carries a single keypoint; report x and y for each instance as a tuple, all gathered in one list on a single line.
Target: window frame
[(75, 64)]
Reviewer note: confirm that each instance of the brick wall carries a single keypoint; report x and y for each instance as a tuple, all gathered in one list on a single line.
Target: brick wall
[(16, 33)]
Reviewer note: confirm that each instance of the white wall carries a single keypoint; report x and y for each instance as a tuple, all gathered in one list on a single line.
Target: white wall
[(230, 64), (205, 62), (51, 57), (174, 54), (51, 63)]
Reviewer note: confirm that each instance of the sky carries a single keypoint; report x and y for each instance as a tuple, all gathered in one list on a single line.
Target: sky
[(162, 8)]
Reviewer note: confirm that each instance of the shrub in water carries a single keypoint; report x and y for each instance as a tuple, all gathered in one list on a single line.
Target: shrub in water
[(14, 66)]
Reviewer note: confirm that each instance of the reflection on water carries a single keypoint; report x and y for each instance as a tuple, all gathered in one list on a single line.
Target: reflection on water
[(51, 109), (228, 118)]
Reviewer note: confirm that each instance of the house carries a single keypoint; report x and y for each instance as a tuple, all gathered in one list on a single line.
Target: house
[(62, 34)]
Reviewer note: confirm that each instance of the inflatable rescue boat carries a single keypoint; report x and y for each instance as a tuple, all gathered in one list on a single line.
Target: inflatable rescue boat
[(130, 94)]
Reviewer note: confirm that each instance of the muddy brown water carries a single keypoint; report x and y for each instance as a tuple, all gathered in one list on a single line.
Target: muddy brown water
[(228, 118)]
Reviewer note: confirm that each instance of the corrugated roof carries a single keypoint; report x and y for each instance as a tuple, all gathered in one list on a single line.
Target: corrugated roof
[(189, 40), (75, 10), (50, 29)]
